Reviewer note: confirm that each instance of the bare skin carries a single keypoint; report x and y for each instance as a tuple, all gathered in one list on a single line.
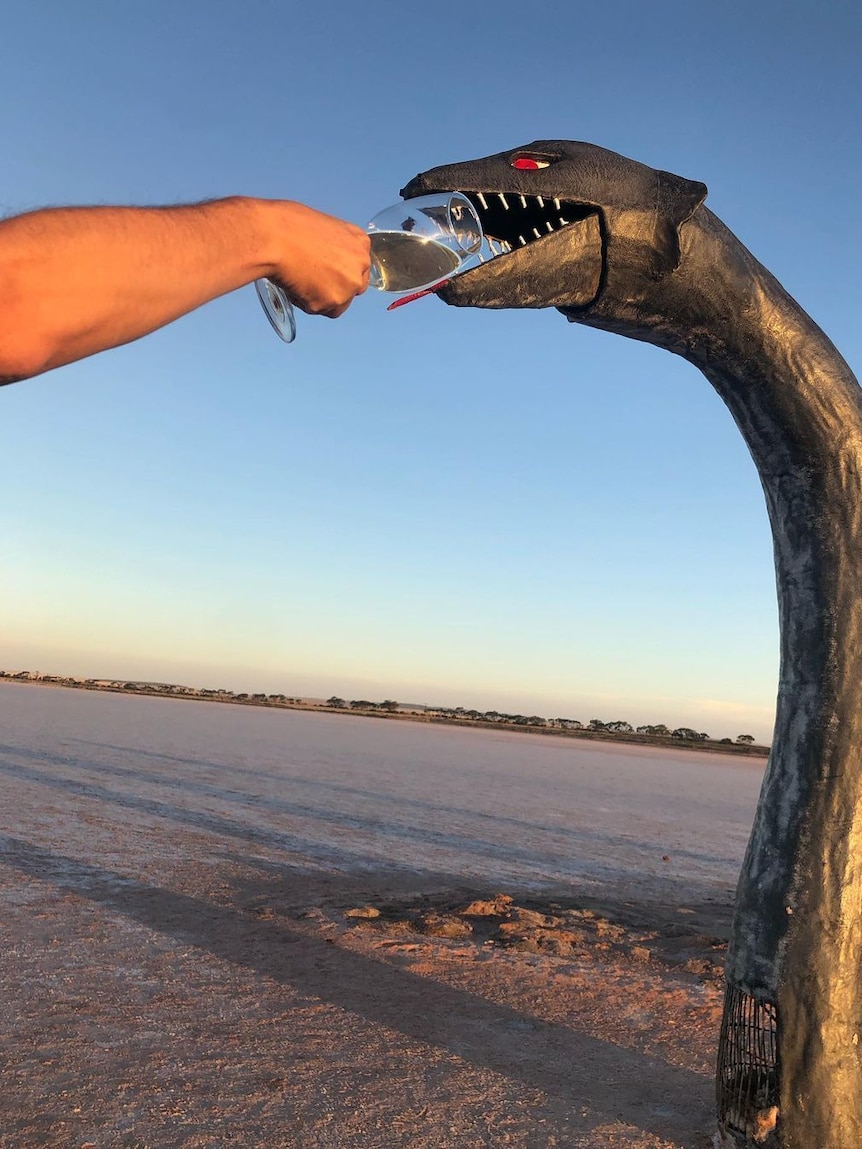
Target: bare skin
[(78, 280)]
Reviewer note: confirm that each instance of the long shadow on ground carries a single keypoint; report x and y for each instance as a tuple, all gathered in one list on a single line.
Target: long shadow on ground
[(574, 1068)]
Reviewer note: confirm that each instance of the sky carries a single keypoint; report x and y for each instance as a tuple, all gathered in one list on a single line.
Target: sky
[(439, 505)]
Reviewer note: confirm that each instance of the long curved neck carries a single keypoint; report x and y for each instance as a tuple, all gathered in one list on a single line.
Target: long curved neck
[(792, 395), (797, 938)]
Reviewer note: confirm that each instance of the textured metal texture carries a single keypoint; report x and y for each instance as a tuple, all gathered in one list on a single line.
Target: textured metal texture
[(643, 257), (746, 1082)]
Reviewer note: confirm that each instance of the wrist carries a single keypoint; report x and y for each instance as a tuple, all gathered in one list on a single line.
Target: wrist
[(276, 226), (261, 224)]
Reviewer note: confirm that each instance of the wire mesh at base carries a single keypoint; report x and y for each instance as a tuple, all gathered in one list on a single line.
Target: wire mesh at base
[(747, 1073)]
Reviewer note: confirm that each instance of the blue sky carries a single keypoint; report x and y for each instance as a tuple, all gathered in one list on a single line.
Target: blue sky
[(438, 505)]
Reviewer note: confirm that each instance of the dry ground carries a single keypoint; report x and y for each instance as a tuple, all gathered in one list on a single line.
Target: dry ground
[(248, 1004), (223, 929)]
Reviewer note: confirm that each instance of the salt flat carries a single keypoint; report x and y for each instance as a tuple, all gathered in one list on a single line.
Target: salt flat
[(179, 968)]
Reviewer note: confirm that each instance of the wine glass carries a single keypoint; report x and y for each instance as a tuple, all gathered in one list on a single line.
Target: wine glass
[(415, 245)]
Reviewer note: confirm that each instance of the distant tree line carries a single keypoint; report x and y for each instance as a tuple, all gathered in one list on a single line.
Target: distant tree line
[(618, 726), (387, 706)]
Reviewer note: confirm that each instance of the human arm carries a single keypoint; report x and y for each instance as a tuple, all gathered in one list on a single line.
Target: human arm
[(74, 281)]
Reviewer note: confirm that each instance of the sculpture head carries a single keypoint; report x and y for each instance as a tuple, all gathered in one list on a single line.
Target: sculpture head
[(584, 223)]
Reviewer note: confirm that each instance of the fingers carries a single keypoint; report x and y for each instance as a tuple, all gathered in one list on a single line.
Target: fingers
[(340, 308), (325, 263), (333, 312)]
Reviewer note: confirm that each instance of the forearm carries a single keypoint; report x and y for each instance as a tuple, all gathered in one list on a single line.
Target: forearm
[(74, 281)]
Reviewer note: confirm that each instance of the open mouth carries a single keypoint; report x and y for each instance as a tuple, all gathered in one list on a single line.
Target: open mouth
[(566, 269), (511, 220)]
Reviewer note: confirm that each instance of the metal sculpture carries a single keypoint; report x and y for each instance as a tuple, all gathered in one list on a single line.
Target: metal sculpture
[(620, 246)]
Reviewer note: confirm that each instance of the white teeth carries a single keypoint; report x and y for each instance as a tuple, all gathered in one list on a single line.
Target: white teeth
[(501, 246)]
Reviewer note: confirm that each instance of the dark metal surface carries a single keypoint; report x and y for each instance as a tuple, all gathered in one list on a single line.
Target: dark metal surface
[(746, 1080), (643, 257)]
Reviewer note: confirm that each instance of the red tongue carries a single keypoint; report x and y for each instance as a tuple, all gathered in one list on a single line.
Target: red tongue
[(416, 295)]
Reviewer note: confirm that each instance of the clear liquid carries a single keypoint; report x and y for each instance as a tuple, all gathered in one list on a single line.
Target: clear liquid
[(405, 262)]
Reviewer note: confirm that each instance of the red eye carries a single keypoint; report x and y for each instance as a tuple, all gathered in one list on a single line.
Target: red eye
[(527, 164)]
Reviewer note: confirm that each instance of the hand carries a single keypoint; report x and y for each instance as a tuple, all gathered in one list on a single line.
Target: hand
[(322, 262)]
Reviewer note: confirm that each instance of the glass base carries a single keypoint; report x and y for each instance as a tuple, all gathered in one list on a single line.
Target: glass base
[(278, 309)]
